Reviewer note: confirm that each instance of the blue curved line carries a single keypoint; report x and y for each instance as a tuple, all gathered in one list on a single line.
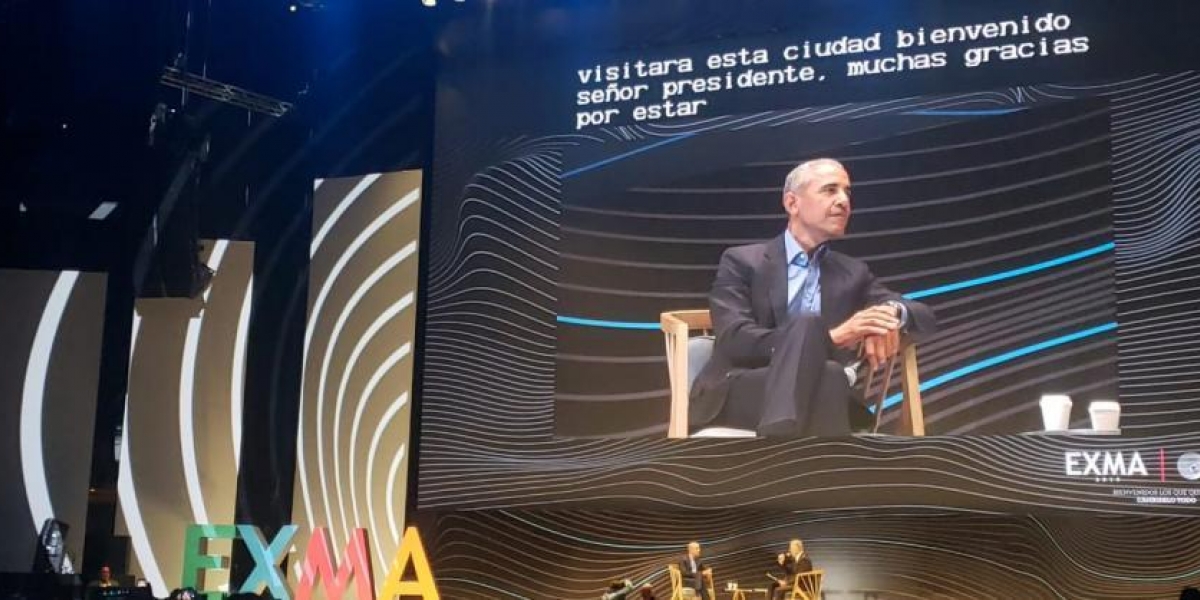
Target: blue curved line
[(605, 323), (934, 112), (942, 289), (624, 155), (1011, 273), (1003, 358)]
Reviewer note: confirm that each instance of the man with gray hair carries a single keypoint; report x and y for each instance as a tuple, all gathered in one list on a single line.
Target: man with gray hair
[(788, 565), (695, 572), (790, 313)]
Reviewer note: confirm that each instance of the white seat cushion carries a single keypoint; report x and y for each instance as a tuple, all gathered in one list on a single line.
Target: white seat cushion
[(724, 432)]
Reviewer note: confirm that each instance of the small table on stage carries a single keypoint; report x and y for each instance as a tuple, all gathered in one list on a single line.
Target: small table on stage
[(750, 594)]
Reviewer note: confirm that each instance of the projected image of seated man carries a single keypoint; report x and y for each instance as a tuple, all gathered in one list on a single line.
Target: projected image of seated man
[(791, 313)]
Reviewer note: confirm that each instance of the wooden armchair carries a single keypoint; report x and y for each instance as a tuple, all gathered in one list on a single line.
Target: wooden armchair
[(807, 585), (677, 588), (678, 326), (676, 581)]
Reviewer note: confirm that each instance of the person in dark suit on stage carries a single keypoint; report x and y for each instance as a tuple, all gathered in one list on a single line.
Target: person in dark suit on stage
[(795, 560), (694, 571), (790, 313)]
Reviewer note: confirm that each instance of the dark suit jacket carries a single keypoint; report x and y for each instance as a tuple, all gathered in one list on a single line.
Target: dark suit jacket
[(748, 302), (791, 565), (693, 579)]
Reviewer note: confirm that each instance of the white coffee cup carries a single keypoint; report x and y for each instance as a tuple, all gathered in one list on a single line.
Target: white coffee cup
[(1056, 412), (1106, 415)]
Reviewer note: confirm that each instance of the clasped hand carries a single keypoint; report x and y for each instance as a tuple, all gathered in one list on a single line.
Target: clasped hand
[(875, 329)]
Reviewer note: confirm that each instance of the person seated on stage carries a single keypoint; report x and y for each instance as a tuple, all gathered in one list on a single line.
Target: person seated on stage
[(695, 571), (795, 560), (790, 314)]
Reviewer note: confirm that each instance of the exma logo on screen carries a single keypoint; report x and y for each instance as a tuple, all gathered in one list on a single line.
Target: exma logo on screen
[(1105, 465), (1115, 465), (320, 566)]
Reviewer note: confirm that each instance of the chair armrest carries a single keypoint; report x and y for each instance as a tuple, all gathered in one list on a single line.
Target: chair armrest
[(688, 319), (912, 413), (675, 334), (676, 325)]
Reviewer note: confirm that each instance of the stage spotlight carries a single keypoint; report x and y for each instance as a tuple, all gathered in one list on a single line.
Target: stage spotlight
[(306, 5), (429, 3)]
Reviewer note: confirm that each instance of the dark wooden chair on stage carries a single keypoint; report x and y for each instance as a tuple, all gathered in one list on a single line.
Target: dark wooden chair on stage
[(688, 353)]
